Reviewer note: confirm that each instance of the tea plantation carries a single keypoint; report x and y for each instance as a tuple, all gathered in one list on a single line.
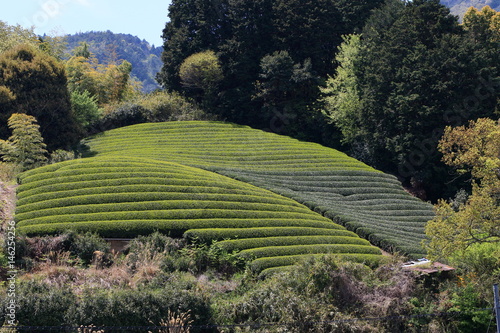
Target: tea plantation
[(249, 190), (126, 197), (369, 202)]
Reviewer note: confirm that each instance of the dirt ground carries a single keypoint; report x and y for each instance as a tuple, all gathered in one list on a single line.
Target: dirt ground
[(7, 202)]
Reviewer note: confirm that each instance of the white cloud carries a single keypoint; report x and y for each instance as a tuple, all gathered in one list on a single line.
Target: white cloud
[(86, 3)]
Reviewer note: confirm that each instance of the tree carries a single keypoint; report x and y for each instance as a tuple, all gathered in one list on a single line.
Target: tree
[(37, 85), (413, 72), (474, 149), (82, 51), (283, 86), (11, 36), (194, 26), (85, 108), (342, 100), (201, 71), (483, 25), (244, 34), (25, 146), (109, 84)]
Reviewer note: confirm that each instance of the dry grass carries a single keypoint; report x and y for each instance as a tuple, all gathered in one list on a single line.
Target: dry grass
[(175, 323), (89, 329), (132, 271)]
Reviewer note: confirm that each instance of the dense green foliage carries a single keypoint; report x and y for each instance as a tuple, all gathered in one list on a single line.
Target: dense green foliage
[(244, 34), (25, 146), (85, 108), (11, 36), (145, 58), (349, 192), (37, 82), (117, 198), (414, 71)]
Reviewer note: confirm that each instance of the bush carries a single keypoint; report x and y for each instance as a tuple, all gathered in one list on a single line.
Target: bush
[(85, 108), (84, 246), (125, 115), (208, 235), (274, 251), (260, 264), (323, 179), (60, 155), (250, 243), (162, 106), (40, 304)]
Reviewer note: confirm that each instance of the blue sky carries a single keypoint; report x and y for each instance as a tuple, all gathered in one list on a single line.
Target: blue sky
[(144, 19)]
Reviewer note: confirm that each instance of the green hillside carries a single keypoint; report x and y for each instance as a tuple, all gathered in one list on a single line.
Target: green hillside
[(119, 197), (369, 202)]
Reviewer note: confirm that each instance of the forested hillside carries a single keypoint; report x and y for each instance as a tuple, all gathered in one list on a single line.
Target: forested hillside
[(459, 7), (108, 47)]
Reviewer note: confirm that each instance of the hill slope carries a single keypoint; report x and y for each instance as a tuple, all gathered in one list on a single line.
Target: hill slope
[(145, 58), (369, 202), (119, 197), (459, 7)]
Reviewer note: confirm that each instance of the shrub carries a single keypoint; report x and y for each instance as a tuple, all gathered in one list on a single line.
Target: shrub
[(60, 155), (323, 179), (124, 115), (249, 243), (208, 235), (163, 106), (40, 304), (275, 251), (260, 264), (85, 245)]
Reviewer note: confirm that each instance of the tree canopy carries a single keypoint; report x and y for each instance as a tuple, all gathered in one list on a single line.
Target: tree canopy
[(25, 146), (457, 226), (244, 35), (413, 71), (35, 83)]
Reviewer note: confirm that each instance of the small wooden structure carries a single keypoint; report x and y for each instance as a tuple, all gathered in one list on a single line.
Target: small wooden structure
[(118, 244), (426, 266)]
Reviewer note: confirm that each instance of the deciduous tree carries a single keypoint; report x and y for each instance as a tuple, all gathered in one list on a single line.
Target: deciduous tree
[(474, 149), (201, 71)]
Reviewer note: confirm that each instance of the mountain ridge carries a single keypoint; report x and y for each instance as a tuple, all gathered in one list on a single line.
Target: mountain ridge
[(144, 57), (459, 7)]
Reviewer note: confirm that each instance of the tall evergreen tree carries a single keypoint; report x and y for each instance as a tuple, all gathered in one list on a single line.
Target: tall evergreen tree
[(25, 146), (417, 71), (244, 33)]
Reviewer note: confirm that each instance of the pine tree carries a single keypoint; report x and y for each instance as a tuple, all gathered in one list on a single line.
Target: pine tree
[(25, 146)]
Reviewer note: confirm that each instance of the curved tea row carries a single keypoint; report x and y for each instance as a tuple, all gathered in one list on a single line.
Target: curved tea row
[(126, 197), (369, 202)]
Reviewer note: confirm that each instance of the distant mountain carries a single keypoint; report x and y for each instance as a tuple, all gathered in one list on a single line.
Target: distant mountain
[(459, 7), (106, 46)]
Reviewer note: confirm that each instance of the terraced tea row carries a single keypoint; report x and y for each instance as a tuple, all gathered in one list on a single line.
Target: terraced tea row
[(371, 203), (126, 197), (219, 145)]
